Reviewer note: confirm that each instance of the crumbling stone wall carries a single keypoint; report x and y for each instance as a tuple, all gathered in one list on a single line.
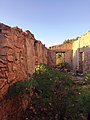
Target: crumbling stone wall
[(51, 58), (82, 46), (30, 52), (65, 48), (20, 53), (77, 53), (62, 47), (40, 53), (12, 56), (75, 60), (68, 57)]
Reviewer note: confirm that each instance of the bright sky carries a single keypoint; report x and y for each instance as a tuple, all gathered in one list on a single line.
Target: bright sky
[(51, 21)]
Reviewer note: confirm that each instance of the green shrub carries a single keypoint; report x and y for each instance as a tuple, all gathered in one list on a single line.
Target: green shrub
[(78, 105), (87, 78), (54, 96), (17, 88), (51, 89)]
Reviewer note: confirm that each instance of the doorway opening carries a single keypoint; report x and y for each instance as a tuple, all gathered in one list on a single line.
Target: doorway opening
[(60, 58), (81, 62)]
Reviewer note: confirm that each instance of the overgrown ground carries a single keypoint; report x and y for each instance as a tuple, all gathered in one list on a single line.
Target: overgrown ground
[(54, 95)]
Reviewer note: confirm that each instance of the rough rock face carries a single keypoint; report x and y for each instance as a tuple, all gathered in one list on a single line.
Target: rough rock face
[(20, 53)]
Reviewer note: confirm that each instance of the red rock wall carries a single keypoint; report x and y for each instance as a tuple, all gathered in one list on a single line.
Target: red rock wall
[(12, 57), (20, 53), (30, 52)]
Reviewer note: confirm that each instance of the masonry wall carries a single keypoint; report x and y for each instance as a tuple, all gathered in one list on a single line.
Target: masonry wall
[(68, 57), (77, 53), (82, 45), (51, 58), (30, 52), (12, 57), (20, 53), (66, 48), (62, 47), (75, 58), (40, 53)]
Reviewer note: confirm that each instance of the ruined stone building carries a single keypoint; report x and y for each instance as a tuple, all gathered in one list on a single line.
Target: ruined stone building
[(76, 53), (20, 53)]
